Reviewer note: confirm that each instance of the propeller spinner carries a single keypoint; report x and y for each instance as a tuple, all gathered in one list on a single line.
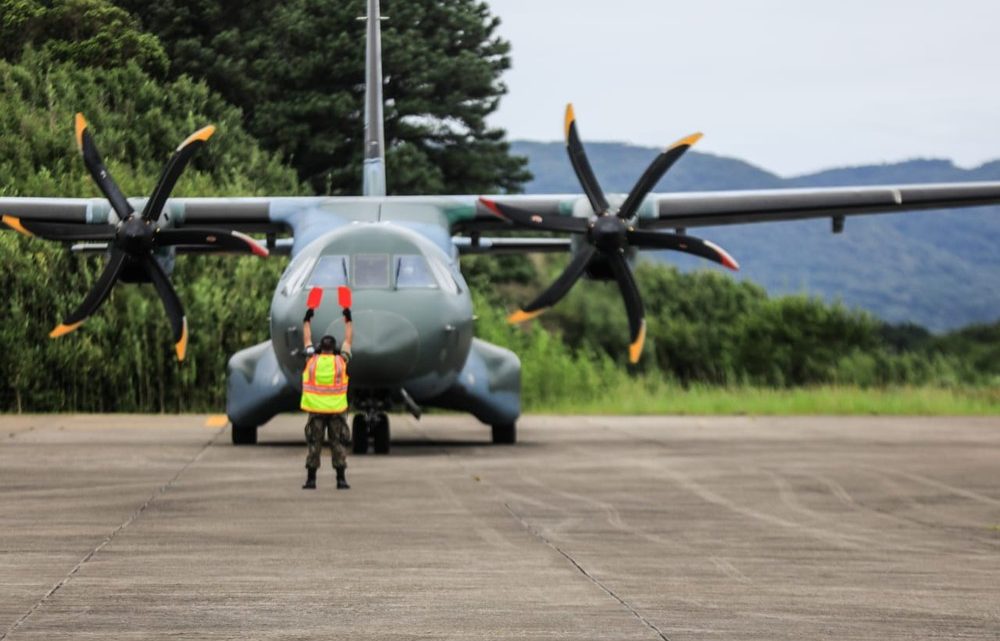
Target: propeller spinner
[(609, 234), (136, 236)]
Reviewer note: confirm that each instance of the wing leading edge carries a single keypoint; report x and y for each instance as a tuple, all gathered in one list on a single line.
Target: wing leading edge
[(742, 207)]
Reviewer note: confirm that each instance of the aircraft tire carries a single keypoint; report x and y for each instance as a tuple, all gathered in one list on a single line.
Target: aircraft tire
[(359, 434), (380, 434), (244, 434), (505, 434)]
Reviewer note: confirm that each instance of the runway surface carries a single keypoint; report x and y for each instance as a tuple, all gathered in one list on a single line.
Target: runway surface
[(115, 527)]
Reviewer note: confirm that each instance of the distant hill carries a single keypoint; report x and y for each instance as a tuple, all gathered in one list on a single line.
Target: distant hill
[(939, 269)]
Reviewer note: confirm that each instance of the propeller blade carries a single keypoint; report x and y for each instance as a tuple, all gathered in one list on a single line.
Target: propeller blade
[(223, 239), (172, 172), (61, 231), (656, 170), (633, 305), (97, 295), (584, 173), (557, 289), (681, 243), (171, 303), (92, 159), (536, 221)]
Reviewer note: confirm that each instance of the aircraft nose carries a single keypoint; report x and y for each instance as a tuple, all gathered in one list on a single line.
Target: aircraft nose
[(385, 349)]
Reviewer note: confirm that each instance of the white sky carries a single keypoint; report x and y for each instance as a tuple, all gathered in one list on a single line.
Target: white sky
[(790, 85)]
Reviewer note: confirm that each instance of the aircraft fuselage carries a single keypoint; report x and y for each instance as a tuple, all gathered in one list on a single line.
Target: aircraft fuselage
[(412, 309)]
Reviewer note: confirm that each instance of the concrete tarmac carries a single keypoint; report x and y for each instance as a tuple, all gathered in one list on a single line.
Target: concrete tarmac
[(136, 527)]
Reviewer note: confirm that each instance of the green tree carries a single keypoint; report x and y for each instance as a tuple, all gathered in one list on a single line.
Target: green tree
[(90, 33), (297, 70)]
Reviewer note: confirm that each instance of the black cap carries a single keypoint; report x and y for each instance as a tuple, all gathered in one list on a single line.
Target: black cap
[(328, 344)]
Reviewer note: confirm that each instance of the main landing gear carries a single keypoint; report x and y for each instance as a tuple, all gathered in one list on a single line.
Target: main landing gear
[(370, 428), (505, 434), (244, 434)]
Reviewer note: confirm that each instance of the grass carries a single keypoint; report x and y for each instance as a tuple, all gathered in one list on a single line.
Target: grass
[(841, 401)]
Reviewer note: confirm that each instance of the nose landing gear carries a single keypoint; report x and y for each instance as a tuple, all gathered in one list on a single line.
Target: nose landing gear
[(370, 427)]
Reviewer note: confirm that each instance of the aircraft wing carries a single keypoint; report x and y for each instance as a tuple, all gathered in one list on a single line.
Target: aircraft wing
[(90, 220), (683, 210), (703, 209)]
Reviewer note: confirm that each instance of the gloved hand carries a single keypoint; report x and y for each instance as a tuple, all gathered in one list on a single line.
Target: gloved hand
[(309, 315), (347, 315)]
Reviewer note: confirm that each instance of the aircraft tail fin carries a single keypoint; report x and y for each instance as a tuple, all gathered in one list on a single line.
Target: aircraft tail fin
[(374, 163)]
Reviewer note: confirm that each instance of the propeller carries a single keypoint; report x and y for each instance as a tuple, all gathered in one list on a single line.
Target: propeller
[(132, 242), (609, 233)]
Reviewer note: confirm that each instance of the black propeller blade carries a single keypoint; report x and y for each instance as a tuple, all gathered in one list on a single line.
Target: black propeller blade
[(69, 232), (609, 234), (557, 289), (539, 222), (682, 243), (97, 294), (581, 166), (92, 160), (223, 239), (135, 238), (656, 170), (175, 167), (171, 303), (633, 306)]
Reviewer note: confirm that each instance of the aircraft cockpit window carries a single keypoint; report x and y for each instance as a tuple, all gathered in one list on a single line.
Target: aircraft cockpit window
[(412, 272), (371, 271), (444, 277), (292, 279), (330, 271)]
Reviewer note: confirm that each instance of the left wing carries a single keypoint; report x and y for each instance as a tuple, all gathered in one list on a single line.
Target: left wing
[(741, 207), (608, 228)]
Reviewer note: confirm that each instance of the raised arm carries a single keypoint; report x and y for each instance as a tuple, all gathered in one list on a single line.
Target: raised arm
[(349, 330), (307, 339)]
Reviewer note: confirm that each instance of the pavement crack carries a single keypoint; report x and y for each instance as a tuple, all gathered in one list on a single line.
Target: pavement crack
[(109, 538), (582, 570)]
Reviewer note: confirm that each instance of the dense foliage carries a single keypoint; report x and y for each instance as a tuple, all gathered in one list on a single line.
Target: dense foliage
[(89, 33), (707, 328)]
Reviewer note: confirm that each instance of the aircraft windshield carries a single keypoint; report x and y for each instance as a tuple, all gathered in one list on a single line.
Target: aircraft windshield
[(412, 272), (444, 277), (294, 275), (330, 271), (371, 271)]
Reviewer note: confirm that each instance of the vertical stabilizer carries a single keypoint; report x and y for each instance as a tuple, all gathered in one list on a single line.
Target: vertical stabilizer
[(374, 168)]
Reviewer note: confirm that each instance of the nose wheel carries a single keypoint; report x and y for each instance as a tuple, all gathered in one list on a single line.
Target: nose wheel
[(371, 428)]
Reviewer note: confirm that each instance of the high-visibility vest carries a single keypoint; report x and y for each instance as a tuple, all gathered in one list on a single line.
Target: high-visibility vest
[(324, 384)]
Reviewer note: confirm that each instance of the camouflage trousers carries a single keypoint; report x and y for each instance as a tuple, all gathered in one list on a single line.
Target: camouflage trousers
[(332, 427)]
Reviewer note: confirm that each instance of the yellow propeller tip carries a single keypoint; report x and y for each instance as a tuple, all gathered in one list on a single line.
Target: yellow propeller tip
[(521, 316), (15, 224), (688, 141), (80, 124), (63, 329), (570, 118), (202, 135), (181, 345), (635, 349)]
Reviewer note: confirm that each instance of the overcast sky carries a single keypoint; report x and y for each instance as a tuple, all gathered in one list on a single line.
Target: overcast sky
[(790, 85)]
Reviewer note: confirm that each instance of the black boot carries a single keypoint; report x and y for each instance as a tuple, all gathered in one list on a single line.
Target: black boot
[(342, 479), (310, 479)]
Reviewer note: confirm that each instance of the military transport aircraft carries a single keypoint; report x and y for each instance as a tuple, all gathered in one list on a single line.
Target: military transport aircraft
[(414, 343)]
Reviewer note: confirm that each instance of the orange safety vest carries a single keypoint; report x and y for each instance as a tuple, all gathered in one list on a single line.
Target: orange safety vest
[(324, 384)]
